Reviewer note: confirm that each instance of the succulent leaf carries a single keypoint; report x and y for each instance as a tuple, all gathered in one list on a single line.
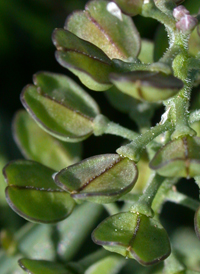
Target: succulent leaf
[(134, 236), (35, 144), (43, 267), (178, 158), (60, 106), (103, 24), (32, 193), (146, 85), (99, 179)]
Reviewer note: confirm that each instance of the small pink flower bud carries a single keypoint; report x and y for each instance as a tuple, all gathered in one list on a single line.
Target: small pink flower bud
[(187, 23), (179, 12)]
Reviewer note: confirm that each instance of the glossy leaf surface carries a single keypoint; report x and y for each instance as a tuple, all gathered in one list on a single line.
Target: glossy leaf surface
[(131, 7), (84, 59), (103, 25), (35, 144), (146, 85), (60, 107), (32, 193), (179, 158), (67, 92), (43, 267), (135, 236), (100, 179)]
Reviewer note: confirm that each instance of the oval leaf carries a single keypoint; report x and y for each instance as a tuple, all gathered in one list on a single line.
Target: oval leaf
[(43, 267), (103, 25), (99, 179), (135, 236), (35, 144), (60, 107), (84, 59), (32, 193), (147, 85), (179, 158), (131, 7)]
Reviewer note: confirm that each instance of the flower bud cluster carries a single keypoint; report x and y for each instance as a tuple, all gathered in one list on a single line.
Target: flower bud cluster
[(185, 22)]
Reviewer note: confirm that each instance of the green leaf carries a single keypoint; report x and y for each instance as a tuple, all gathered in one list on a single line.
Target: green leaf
[(32, 193), (60, 107), (103, 25), (147, 85), (135, 236), (66, 91), (43, 267), (35, 144), (139, 111), (146, 53), (36, 240), (132, 7), (178, 158), (109, 265), (84, 59), (99, 179)]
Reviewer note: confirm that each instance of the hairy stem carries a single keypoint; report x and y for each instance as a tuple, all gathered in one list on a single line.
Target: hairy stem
[(134, 149), (145, 201)]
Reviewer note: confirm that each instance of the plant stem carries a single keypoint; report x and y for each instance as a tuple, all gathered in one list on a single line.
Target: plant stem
[(116, 129), (111, 208), (170, 54), (103, 126), (160, 197), (179, 198), (134, 149), (194, 117), (93, 258), (145, 201), (151, 10), (180, 103)]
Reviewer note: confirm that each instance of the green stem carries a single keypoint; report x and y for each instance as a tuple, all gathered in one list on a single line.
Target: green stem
[(160, 197), (151, 10), (134, 149), (116, 129), (89, 260), (170, 54), (111, 208), (146, 199), (194, 117), (179, 198), (103, 126), (180, 103), (166, 7), (95, 257)]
